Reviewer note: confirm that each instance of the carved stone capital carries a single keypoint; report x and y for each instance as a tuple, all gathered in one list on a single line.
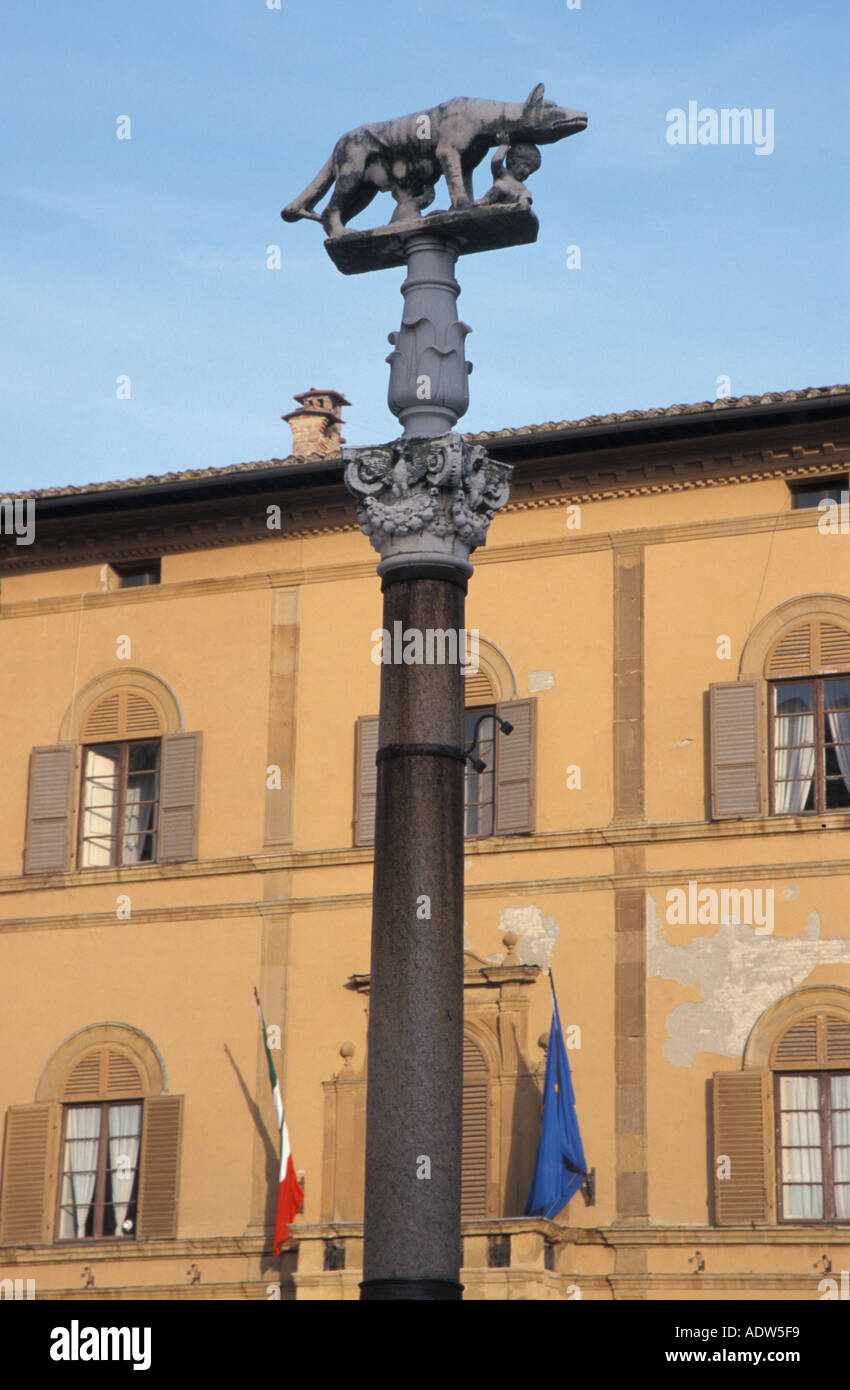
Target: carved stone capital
[(426, 499)]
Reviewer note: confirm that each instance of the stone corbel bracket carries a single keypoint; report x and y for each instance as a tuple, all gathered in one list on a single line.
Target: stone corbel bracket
[(429, 500)]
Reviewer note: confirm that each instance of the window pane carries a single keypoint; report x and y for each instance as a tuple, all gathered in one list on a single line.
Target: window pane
[(140, 807), (837, 743), (795, 698), (79, 1171), (100, 804), (793, 797), (840, 1096), (836, 694), (798, 731), (799, 1092), (812, 494), (125, 1127), (801, 1147), (144, 757)]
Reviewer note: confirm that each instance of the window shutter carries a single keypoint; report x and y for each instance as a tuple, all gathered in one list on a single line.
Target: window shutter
[(25, 1206), (476, 1138), (47, 844), (834, 644), (837, 1041), (477, 689), (515, 760), (365, 778), (821, 1040), (741, 1121), (178, 812), (124, 713), (793, 654), (817, 645), (100, 1074), (159, 1175), (798, 1046), (735, 749)]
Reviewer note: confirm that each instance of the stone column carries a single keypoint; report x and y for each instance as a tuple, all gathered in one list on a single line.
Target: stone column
[(424, 503)]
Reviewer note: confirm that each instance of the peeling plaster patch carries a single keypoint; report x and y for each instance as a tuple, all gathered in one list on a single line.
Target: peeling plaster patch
[(537, 933), (791, 893), (741, 974), (540, 680), (683, 743)]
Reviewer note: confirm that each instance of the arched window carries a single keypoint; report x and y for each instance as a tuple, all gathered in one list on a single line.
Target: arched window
[(121, 788), (119, 806), (812, 1106), (780, 734), (97, 1157), (782, 1123), (808, 669)]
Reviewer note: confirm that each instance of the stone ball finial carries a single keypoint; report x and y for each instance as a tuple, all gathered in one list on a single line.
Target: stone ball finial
[(346, 1052), (509, 941)]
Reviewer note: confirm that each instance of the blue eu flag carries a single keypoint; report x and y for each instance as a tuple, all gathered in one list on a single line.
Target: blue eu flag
[(560, 1168)]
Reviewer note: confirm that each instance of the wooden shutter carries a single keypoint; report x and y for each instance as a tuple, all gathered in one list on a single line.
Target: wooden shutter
[(792, 655), (365, 778), (837, 1041), (159, 1175), (741, 1134), (515, 762), (124, 713), (47, 845), (180, 785), (798, 1046), (813, 646), (819, 1040), (476, 1136), (101, 1074), (477, 689), (736, 762), (26, 1200)]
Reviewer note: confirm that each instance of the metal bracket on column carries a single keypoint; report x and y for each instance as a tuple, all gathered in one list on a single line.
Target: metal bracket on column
[(420, 750)]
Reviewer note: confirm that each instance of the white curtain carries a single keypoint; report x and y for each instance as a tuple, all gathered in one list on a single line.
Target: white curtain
[(795, 763), (136, 818), (101, 807), (839, 728), (802, 1174), (81, 1146), (841, 1145), (123, 1157)]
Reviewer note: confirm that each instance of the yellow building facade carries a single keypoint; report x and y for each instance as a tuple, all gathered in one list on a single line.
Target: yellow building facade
[(189, 691)]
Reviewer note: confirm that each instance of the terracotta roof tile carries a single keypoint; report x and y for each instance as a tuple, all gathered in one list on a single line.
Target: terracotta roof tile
[(729, 403)]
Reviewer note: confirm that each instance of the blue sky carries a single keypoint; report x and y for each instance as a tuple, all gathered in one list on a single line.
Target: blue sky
[(147, 257)]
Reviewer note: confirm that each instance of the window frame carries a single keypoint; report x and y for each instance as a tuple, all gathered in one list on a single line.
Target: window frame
[(819, 778), (99, 1195), (127, 570), (827, 1167), (124, 745), (833, 482)]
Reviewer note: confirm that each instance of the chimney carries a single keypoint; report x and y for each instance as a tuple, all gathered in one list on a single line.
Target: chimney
[(316, 423)]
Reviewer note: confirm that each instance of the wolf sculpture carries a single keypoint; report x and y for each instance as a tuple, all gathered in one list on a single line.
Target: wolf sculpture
[(408, 155)]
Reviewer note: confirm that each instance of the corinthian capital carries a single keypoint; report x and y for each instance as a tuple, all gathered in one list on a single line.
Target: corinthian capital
[(426, 499)]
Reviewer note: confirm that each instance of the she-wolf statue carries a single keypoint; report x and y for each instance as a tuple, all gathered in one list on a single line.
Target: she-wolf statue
[(408, 155)]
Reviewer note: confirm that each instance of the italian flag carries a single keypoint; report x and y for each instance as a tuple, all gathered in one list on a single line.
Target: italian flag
[(289, 1192)]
